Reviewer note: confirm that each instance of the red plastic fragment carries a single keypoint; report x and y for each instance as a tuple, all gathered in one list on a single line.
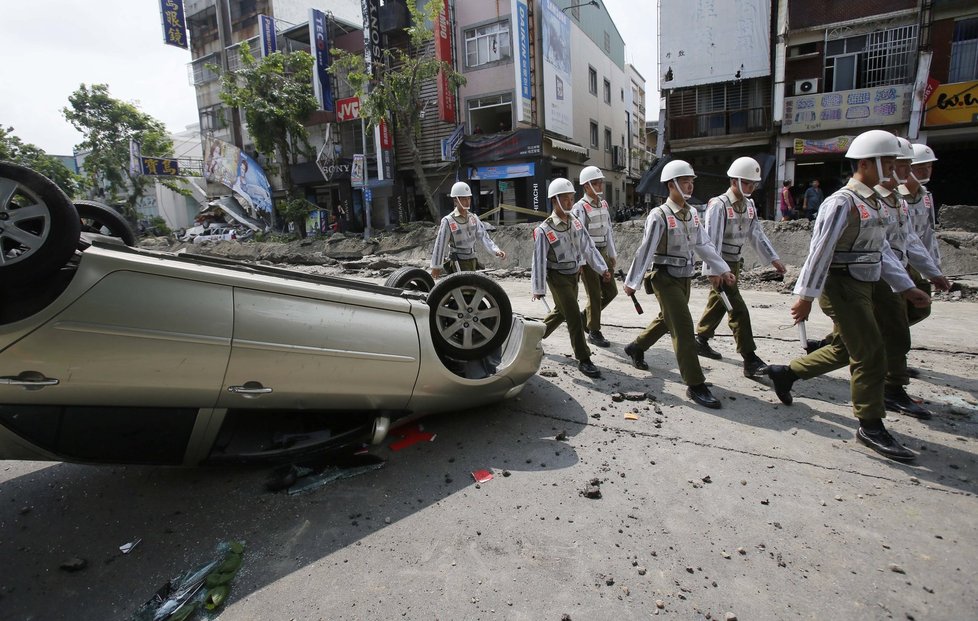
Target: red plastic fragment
[(411, 436), (481, 476)]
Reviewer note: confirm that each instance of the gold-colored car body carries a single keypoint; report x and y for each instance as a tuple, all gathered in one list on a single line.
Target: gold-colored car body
[(142, 329)]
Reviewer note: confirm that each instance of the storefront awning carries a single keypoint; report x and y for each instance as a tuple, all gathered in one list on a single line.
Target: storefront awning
[(568, 146)]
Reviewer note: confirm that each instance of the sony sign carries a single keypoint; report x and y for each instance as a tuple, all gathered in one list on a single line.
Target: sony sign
[(371, 34)]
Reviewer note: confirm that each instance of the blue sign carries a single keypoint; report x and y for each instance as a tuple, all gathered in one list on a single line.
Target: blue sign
[(508, 171), (269, 39), (319, 38), (368, 195), (174, 24), (160, 166)]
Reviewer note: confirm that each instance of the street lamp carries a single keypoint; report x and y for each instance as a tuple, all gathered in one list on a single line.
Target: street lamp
[(574, 6)]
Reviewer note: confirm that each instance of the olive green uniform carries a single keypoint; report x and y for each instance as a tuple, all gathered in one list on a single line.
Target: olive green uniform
[(596, 218)]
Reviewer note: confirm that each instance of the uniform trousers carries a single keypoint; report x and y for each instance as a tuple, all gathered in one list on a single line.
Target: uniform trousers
[(597, 290), (563, 289), (672, 294), (916, 315), (739, 321)]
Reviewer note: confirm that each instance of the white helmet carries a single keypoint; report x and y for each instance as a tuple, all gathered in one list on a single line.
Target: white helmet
[(676, 168), (906, 149), (874, 143), (560, 186), (745, 168), (590, 173), (460, 189), (922, 154)]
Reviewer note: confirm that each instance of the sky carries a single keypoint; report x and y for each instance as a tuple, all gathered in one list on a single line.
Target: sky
[(53, 46)]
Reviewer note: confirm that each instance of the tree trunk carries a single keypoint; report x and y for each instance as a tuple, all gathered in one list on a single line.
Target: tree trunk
[(419, 172)]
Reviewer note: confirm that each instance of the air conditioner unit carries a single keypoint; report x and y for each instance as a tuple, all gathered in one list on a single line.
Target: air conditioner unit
[(806, 87)]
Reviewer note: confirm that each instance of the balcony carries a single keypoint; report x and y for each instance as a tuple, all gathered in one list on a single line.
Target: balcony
[(721, 123)]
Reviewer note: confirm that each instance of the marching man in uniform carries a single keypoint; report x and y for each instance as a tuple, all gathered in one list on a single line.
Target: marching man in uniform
[(923, 215), (457, 235), (673, 232), (592, 210), (731, 222), (561, 247), (848, 255)]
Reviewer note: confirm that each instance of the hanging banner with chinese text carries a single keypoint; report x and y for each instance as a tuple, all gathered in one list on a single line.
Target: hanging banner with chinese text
[(174, 24), (443, 52), (319, 36)]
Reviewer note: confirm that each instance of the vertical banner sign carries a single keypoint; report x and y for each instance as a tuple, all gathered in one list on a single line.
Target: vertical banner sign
[(385, 154), (358, 173), (371, 35), (524, 75), (443, 52), (557, 86), (174, 24), (135, 158), (319, 35), (269, 40)]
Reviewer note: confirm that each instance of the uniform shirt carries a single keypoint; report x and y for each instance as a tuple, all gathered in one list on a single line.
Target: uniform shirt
[(583, 210), (720, 223), (445, 239), (922, 205), (830, 224), (587, 252), (655, 227), (913, 250)]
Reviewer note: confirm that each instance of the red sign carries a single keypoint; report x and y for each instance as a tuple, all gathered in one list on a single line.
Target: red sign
[(443, 52), (932, 86), (348, 109), (386, 140)]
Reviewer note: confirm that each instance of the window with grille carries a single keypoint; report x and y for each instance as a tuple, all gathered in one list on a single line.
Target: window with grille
[(720, 109), (964, 51), (879, 58), (487, 44), (200, 70), (213, 118)]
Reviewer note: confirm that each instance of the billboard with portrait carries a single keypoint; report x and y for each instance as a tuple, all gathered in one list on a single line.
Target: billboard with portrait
[(226, 164), (557, 86)]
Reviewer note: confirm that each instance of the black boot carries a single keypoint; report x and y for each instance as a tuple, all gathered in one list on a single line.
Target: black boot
[(753, 365), (637, 356), (897, 400), (587, 368), (874, 435), (813, 346), (598, 339), (701, 394), (703, 348), (782, 377)]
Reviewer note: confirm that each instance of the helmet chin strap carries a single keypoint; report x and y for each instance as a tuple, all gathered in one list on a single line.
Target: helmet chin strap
[(600, 195), (879, 170), (923, 181), (740, 187)]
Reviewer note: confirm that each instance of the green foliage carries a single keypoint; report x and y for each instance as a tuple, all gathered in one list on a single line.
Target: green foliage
[(296, 210), (108, 124), (403, 74), (160, 225), (276, 95), (13, 149)]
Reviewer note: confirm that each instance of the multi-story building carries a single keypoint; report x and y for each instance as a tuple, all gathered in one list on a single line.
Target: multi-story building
[(639, 156)]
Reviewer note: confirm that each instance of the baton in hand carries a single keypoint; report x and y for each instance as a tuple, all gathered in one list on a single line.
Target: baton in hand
[(725, 299), (546, 305), (638, 307), (802, 335)]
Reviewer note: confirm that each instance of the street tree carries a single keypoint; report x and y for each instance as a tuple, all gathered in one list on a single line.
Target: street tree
[(107, 125), (402, 73), (275, 93), (13, 149)]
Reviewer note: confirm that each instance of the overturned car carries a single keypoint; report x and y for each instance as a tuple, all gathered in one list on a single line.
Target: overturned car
[(114, 354)]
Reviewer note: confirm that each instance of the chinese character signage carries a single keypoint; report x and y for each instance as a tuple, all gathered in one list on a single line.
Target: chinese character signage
[(174, 24), (839, 144), (443, 52), (865, 107), (952, 104), (319, 36), (160, 166)]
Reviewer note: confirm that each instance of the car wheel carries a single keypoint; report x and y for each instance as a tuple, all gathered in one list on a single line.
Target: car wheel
[(411, 278), (470, 316), (99, 218), (39, 226)]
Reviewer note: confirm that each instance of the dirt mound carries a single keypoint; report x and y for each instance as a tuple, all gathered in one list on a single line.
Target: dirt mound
[(959, 218)]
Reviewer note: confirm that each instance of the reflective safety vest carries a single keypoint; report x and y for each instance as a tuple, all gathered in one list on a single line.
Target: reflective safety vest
[(675, 249), (464, 236), (598, 221), (898, 228), (564, 254), (736, 230), (922, 213), (860, 247)]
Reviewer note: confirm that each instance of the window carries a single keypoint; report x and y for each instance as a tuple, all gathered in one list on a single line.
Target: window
[(623, 95), (607, 92), (607, 139), (607, 41), (594, 135), (875, 59), (592, 81), (213, 118), (487, 44), (720, 109), (201, 73), (964, 51), (492, 114)]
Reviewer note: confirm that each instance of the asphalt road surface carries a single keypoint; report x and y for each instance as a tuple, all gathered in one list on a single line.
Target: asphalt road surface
[(758, 510)]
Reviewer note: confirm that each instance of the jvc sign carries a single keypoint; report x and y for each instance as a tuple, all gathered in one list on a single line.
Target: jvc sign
[(348, 109)]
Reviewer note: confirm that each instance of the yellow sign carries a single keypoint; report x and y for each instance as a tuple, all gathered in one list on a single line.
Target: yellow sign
[(953, 104)]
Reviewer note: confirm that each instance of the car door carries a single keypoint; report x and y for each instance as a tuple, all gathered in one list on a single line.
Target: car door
[(318, 347)]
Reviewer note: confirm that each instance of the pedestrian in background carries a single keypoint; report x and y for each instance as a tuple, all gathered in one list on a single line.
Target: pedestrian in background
[(813, 198), (787, 202)]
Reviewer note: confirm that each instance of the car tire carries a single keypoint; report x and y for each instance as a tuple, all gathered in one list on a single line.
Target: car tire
[(99, 218), (411, 278), (39, 226), (470, 316)]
